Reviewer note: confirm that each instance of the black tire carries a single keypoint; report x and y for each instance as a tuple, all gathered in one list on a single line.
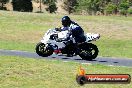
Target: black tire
[(88, 51), (81, 80), (43, 51)]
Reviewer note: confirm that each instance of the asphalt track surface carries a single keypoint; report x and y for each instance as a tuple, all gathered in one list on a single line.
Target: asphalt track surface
[(99, 60)]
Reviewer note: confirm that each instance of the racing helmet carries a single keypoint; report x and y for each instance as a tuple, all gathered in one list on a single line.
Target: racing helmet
[(66, 21)]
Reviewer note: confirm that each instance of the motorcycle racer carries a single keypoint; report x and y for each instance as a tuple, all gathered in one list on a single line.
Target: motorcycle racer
[(74, 29)]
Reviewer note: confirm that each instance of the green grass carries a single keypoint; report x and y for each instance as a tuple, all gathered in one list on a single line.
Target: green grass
[(22, 31), (17, 45), (115, 48), (19, 72)]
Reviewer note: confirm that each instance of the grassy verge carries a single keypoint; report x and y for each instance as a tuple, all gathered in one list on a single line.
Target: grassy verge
[(115, 48), (21, 31), (18, 72), (17, 45)]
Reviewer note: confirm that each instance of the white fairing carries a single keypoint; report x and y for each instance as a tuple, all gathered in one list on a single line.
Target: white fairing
[(63, 35), (92, 37)]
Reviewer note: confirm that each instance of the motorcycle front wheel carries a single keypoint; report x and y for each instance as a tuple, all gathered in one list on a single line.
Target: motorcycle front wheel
[(43, 50), (88, 51)]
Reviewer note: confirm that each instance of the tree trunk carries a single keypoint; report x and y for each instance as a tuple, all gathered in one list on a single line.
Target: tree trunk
[(40, 6), (2, 5)]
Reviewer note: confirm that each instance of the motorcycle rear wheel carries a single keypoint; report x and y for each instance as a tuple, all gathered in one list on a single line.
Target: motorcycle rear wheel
[(88, 51), (43, 51)]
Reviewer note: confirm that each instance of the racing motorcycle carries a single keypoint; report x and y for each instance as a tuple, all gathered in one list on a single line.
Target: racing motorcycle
[(54, 41)]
